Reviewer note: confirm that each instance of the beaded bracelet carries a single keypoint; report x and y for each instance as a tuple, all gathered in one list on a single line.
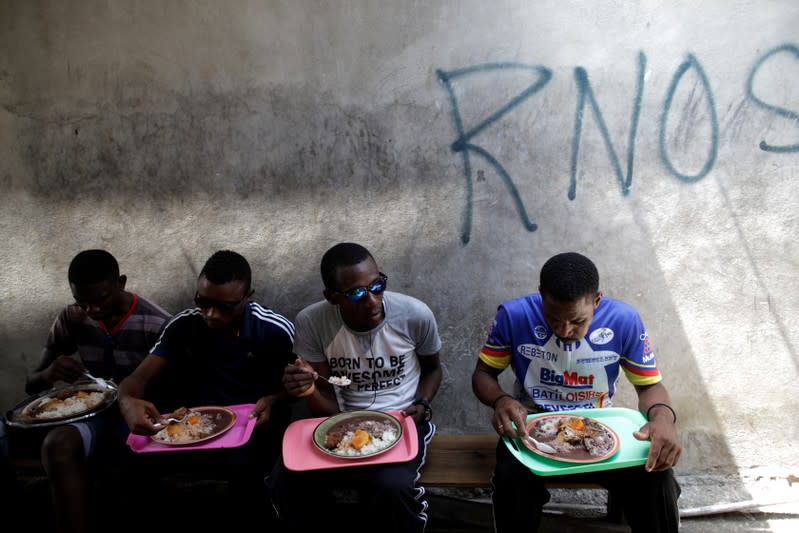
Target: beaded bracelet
[(498, 398), (667, 406)]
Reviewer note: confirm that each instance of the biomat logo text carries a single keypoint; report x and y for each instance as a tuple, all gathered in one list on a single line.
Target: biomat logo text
[(567, 379)]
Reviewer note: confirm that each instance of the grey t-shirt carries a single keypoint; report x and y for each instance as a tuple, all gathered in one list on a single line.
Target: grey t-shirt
[(382, 363)]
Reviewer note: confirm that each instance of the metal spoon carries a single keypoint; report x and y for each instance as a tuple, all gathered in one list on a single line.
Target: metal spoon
[(169, 420), (546, 448), (100, 381), (345, 381), (173, 420)]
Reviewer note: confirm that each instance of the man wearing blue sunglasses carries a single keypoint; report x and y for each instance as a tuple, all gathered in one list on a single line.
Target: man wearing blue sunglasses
[(386, 344)]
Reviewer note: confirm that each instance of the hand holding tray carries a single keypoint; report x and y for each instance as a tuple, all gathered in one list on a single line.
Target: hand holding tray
[(236, 436)]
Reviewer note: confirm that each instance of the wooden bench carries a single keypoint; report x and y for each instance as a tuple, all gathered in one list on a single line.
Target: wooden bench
[(456, 461), (467, 461)]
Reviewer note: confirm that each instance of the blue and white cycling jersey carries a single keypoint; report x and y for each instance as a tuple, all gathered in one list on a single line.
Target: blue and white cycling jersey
[(582, 374)]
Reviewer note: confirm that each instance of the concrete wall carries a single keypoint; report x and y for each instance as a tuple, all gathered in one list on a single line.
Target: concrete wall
[(462, 142)]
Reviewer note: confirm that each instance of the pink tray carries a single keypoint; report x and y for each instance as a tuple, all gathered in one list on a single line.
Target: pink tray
[(232, 438), (300, 453)]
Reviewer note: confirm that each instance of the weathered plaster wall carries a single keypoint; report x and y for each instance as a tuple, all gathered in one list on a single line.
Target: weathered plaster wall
[(462, 142)]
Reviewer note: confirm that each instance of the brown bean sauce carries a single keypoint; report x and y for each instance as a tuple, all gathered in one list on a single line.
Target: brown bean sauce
[(588, 443), (374, 426)]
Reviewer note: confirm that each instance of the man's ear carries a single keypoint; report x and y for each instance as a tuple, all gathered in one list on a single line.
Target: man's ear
[(122, 280), (249, 294), (328, 294), (597, 298)]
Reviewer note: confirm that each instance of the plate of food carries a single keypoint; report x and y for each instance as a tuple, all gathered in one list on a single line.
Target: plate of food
[(576, 439), (63, 404), (194, 425), (357, 434)]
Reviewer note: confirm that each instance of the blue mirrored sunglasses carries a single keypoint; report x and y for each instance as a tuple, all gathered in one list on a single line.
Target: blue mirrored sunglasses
[(357, 294)]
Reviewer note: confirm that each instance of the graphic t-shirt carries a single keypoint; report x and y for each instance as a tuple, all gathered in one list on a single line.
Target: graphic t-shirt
[(382, 363), (583, 374)]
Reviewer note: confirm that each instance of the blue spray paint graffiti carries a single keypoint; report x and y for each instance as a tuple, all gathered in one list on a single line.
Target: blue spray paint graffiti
[(690, 62), (585, 97), (786, 113), (463, 146), (584, 90)]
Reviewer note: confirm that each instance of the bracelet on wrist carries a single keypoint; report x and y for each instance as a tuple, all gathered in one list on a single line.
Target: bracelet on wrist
[(498, 398), (427, 409), (667, 406)]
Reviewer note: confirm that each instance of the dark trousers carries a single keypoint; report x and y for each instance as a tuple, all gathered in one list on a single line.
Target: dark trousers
[(180, 481), (9, 486), (387, 494), (649, 499)]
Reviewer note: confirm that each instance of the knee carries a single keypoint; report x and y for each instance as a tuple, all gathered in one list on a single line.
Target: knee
[(640, 485), (393, 484), (288, 489), (663, 480), (503, 476), (511, 474), (62, 445), (668, 484), (516, 482)]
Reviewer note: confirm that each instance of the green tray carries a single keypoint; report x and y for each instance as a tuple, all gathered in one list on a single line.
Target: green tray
[(623, 421)]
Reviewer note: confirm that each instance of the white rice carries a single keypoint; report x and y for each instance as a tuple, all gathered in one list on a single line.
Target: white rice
[(375, 444), (69, 406), (185, 432), (339, 380)]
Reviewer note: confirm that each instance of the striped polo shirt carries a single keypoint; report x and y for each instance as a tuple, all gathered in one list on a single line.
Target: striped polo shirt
[(130, 339)]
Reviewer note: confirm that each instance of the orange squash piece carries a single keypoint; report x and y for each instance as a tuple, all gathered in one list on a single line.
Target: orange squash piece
[(577, 423), (360, 439)]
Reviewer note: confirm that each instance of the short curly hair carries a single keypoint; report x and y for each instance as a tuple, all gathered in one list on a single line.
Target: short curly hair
[(569, 276), (92, 266), (226, 266), (343, 254)]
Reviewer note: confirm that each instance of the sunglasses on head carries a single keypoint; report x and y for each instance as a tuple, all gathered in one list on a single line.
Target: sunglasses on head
[(356, 294), (206, 303)]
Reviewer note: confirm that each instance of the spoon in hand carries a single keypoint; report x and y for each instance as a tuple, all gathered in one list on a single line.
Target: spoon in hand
[(176, 417), (100, 381), (338, 381), (168, 421), (546, 448)]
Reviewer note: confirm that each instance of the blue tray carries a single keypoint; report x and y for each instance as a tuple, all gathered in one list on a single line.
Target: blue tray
[(623, 421)]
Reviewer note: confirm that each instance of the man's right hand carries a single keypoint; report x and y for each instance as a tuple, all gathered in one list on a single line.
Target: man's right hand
[(508, 412), (64, 368), (299, 378), (140, 415)]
